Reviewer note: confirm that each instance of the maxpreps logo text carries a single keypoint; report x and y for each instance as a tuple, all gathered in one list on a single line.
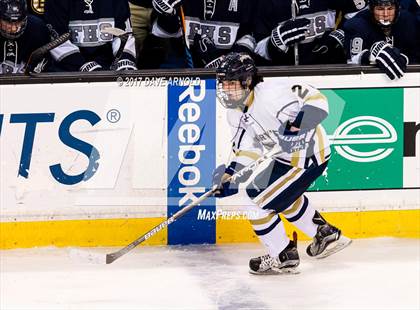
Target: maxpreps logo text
[(352, 143)]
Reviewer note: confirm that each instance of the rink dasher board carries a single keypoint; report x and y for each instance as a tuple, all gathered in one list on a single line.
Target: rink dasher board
[(131, 180)]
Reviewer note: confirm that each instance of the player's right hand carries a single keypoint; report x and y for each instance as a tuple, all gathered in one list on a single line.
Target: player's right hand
[(166, 7), (388, 59), (289, 33)]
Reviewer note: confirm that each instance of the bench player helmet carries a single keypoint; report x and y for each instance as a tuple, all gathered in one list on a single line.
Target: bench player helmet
[(236, 67), (384, 24), (13, 18)]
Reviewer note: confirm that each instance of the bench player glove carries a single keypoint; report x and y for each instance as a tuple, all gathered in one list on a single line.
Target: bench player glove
[(388, 59), (330, 47), (125, 64), (166, 7), (289, 33), (205, 49), (90, 66), (222, 173)]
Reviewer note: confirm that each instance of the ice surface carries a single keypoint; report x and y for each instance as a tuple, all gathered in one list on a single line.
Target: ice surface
[(370, 274)]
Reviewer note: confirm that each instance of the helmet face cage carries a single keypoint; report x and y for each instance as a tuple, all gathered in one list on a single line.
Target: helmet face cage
[(375, 3), (232, 98), (235, 67), (13, 18)]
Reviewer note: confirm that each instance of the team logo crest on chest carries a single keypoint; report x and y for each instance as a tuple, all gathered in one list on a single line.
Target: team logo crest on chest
[(38, 6), (247, 119), (88, 3)]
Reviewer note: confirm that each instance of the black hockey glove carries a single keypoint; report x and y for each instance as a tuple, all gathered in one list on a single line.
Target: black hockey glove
[(388, 59), (206, 51), (227, 188), (90, 66), (289, 33), (330, 47), (166, 7), (125, 64)]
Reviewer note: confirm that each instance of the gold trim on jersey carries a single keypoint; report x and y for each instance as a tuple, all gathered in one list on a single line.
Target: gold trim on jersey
[(264, 220), (250, 99), (276, 187), (295, 206), (249, 154), (295, 159), (320, 144), (317, 96)]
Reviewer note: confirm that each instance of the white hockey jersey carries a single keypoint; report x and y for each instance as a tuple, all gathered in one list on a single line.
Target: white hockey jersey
[(270, 106)]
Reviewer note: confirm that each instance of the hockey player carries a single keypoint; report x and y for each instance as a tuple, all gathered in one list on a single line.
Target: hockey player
[(20, 35), (265, 115), (91, 49), (313, 30), (212, 27), (384, 35)]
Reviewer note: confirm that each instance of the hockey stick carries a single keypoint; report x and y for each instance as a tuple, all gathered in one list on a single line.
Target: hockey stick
[(37, 55), (295, 46), (188, 56), (123, 36), (111, 257)]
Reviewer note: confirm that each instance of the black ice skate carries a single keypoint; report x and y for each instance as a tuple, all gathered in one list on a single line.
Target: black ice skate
[(286, 262), (328, 239)]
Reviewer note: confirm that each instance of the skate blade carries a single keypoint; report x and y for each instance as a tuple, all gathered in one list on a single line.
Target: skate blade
[(276, 272), (335, 247)]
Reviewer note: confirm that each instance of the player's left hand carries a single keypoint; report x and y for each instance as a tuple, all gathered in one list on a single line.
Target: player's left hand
[(125, 64), (388, 59)]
